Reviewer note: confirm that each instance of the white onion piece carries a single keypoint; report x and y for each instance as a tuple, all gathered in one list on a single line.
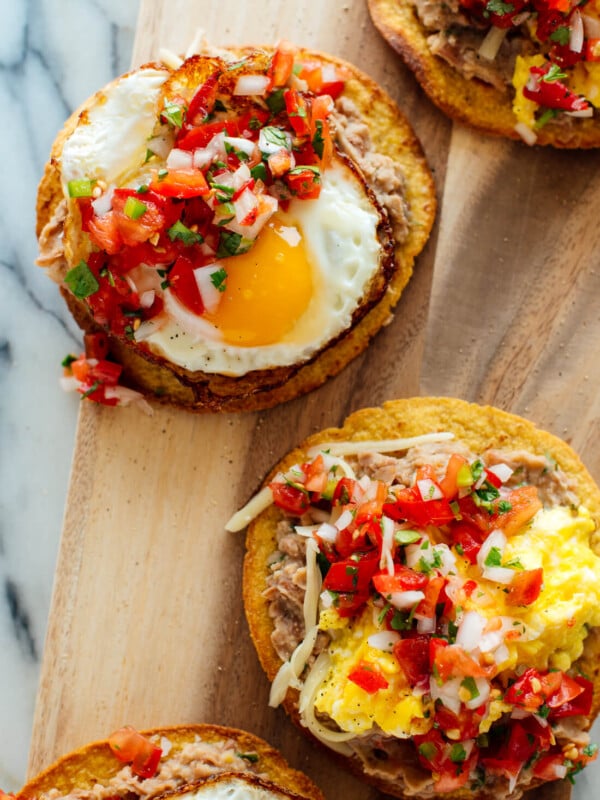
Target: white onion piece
[(425, 624), (327, 532), (495, 539), (502, 575), (246, 206), (160, 145), (169, 58), (191, 323), (255, 506), (344, 520), (591, 26), (384, 640), (415, 552), (526, 134), (404, 601), (326, 599), (576, 37), (180, 159), (382, 446), (448, 558), (501, 471), (211, 296), (124, 395), (428, 489), (488, 49), (470, 631), (202, 157), (239, 143), (248, 85), (267, 206), (147, 298), (447, 693), (332, 461), (149, 327), (501, 654), (491, 641), (387, 544), (483, 687), (306, 530), (103, 204), (266, 146)]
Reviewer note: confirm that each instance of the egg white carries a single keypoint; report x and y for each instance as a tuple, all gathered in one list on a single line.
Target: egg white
[(338, 232)]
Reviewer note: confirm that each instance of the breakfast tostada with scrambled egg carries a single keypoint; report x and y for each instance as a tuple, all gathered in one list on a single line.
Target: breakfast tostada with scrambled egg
[(423, 589), (203, 762), (524, 68), (233, 228)]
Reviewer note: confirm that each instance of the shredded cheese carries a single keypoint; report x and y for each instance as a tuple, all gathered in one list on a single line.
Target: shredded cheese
[(349, 448), (169, 58), (250, 511)]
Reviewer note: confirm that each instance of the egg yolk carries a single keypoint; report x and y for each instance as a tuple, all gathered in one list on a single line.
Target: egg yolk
[(268, 288)]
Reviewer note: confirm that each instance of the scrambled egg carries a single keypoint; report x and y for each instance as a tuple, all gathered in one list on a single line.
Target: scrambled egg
[(555, 626), (523, 108), (585, 80)]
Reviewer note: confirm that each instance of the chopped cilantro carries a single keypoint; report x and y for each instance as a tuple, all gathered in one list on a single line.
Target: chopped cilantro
[(318, 142), (323, 563), (275, 136), (494, 558), (561, 35), (223, 193), (554, 74), (275, 101), (498, 7), (504, 507), (232, 244), (173, 114), (428, 750), (185, 234), (82, 281), (95, 385), (259, 172), (470, 685), (251, 757), (218, 279), (68, 360)]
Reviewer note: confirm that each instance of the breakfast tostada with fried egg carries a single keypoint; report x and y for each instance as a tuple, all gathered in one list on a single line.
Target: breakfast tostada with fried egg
[(186, 762), (233, 228), (522, 69), (422, 586)]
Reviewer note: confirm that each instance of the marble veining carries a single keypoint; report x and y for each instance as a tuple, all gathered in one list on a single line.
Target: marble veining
[(53, 54)]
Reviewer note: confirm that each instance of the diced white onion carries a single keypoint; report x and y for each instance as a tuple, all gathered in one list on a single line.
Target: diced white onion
[(501, 654), (239, 143), (332, 461), (492, 43), (483, 687), (246, 206), (103, 204), (68, 383), (147, 298), (386, 560), (344, 520), (428, 489), (384, 640), (495, 539), (426, 624), (191, 323), (501, 471), (576, 37), (415, 552), (180, 159), (527, 135), (502, 575), (448, 558), (404, 601), (267, 206), (255, 506), (327, 532), (306, 530), (349, 448), (247, 85), (202, 157), (269, 147), (211, 296), (160, 145), (447, 692), (326, 599), (470, 631), (125, 396)]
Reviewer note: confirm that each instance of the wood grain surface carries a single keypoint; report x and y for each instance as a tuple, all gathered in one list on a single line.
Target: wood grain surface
[(147, 625)]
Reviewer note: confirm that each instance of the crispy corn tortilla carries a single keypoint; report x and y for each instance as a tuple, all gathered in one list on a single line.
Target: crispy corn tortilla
[(391, 135), (472, 102), (95, 763), (480, 428)]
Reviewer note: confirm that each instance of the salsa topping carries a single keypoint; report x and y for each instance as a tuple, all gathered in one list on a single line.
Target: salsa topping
[(420, 582), (232, 143)]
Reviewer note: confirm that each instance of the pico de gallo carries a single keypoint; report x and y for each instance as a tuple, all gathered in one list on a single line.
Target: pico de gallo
[(426, 608), (233, 142), (97, 378), (559, 75)]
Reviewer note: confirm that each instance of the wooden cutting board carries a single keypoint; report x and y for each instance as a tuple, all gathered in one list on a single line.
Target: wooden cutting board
[(147, 625)]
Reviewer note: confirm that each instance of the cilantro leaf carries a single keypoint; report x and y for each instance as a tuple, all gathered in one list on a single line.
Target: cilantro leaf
[(232, 244), (494, 558), (218, 279)]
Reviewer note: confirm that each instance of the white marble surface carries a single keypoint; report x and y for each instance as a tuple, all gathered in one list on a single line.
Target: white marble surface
[(53, 54)]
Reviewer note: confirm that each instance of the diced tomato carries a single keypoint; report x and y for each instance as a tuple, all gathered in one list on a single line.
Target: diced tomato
[(181, 183), (525, 587), (343, 491), (466, 722), (312, 73), (96, 345), (449, 483), (404, 579), (413, 656), (548, 20), (352, 574), (289, 498), (533, 688), (184, 286), (297, 112), (304, 183), (547, 767), (349, 603), (315, 475), (203, 102), (554, 93), (426, 607), (199, 137), (368, 677), (568, 701), (322, 142), (282, 64), (525, 503), (80, 369), (353, 538), (134, 231), (104, 232), (452, 661), (129, 746), (431, 748), (469, 587), (592, 49), (467, 538), (332, 89), (105, 372), (371, 509), (410, 506)]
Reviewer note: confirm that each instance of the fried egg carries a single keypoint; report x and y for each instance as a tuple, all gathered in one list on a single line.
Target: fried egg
[(295, 291), (231, 786)]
